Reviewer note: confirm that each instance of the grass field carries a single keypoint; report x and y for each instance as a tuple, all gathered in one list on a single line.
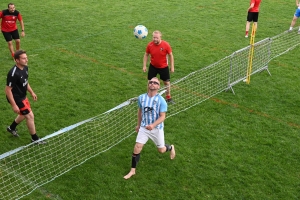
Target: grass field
[(84, 60)]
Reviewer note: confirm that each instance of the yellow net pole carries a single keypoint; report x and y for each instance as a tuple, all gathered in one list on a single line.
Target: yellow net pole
[(251, 52)]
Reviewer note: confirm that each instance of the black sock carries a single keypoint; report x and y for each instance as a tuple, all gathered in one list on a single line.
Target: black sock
[(135, 160), (168, 147), (13, 125), (35, 137)]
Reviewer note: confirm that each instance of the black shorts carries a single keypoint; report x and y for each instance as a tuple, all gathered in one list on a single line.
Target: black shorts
[(11, 35), (252, 16), (23, 105), (164, 73)]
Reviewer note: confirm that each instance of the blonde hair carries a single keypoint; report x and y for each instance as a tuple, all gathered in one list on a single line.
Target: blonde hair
[(157, 32)]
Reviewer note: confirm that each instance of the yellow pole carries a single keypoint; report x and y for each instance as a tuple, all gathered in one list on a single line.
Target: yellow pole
[(251, 52)]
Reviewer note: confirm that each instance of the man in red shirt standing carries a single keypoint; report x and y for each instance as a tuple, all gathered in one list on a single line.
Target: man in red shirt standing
[(9, 27), (253, 12), (160, 52)]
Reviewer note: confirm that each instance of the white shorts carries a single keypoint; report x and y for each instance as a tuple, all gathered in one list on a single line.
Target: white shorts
[(156, 135)]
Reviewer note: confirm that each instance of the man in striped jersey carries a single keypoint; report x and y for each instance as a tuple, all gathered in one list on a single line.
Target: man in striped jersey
[(150, 124)]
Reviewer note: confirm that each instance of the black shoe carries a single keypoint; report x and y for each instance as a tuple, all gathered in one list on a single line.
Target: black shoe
[(13, 132), (39, 141), (170, 101)]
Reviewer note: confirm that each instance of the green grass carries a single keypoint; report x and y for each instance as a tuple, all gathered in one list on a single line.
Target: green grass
[(84, 60)]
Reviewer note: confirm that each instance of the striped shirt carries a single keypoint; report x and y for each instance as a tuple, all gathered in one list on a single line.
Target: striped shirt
[(151, 107)]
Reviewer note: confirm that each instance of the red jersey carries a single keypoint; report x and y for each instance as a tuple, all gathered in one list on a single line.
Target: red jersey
[(256, 5), (8, 23), (159, 53)]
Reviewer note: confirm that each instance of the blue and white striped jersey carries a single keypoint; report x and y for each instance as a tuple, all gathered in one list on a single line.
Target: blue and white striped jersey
[(151, 107)]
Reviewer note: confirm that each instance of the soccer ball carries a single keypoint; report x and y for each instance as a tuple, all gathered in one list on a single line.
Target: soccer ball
[(140, 32)]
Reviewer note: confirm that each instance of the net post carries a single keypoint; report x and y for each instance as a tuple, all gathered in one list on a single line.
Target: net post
[(251, 52)]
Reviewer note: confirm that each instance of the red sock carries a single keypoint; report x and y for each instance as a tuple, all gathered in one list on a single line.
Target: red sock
[(12, 54), (168, 97), (247, 32)]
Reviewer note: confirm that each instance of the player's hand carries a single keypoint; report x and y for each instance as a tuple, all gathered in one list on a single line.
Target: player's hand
[(144, 69), (16, 109), (34, 96), (23, 34), (149, 127), (137, 128), (172, 69)]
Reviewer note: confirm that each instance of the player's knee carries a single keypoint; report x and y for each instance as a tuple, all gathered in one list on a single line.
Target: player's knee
[(30, 116), (138, 148)]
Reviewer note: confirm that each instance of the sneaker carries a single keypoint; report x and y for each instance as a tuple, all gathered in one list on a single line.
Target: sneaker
[(39, 141), (298, 31), (170, 101), (13, 132), (246, 36)]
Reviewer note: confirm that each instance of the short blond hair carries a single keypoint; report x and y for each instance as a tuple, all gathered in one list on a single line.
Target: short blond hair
[(157, 32)]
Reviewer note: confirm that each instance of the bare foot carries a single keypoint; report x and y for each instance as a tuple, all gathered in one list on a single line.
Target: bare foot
[(130, 174), (172, 153)]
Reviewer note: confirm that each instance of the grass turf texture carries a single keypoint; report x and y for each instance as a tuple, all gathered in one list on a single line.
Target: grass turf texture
[(84, 60)]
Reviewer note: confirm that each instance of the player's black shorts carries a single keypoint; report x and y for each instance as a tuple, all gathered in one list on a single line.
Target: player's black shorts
[(23, 105), (163, 72), (11, 35), (252, 16)]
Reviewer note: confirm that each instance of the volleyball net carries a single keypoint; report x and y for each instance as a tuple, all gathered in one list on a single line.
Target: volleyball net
[(28, 167)]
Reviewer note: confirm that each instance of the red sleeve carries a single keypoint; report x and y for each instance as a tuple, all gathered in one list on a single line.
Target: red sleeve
[(20, 17), (148, 48), (168, 48)]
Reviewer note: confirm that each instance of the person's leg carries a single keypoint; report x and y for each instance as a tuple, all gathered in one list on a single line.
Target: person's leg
[(249, 19), (15, 35), (31, 127), (135, 159), (11, 48), (30, 123), (255, 25), (294, 20), (168, 88), (165, 77), (13, 127), (166, 148), (8, 36), (247, 28), (18, 41), (152, 72), (158, 138)]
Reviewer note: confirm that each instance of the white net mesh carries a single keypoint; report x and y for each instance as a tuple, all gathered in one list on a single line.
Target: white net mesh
[(26, 168)]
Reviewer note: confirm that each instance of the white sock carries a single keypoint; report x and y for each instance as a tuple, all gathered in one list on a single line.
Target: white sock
[(291, 28)]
